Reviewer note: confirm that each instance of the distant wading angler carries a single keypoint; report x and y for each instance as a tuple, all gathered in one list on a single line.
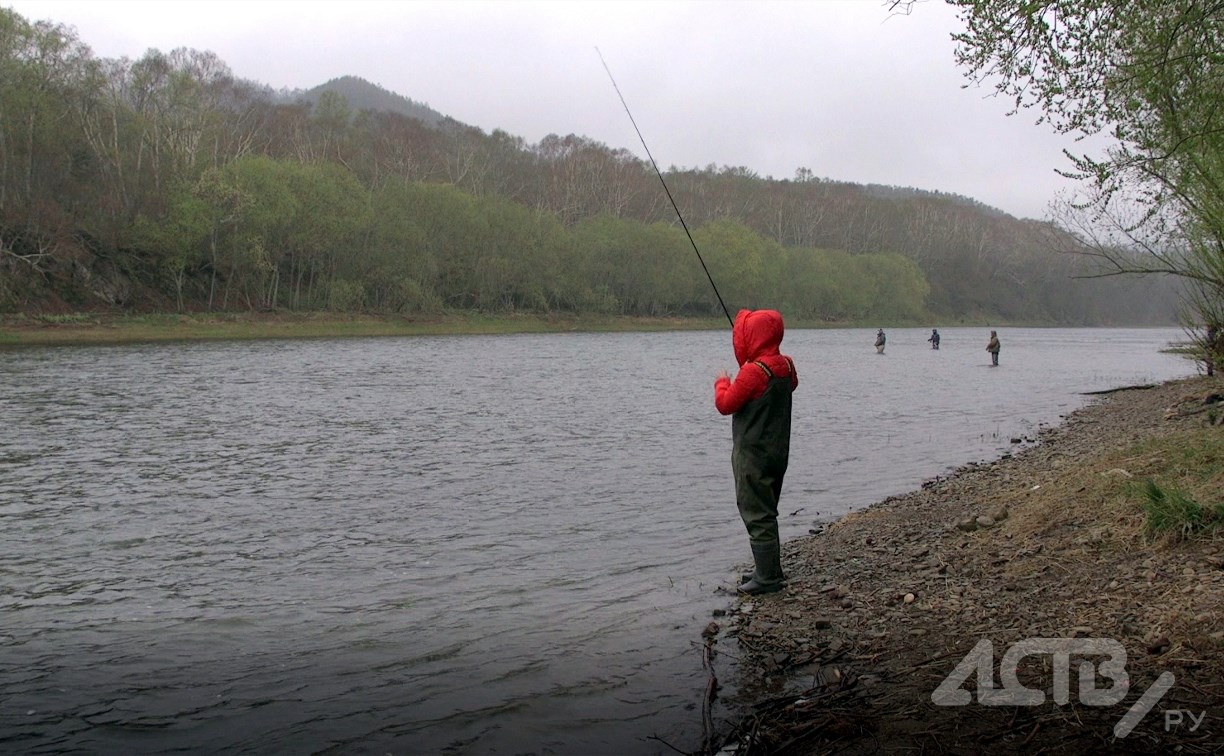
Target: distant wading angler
[(759, 401), (934, 339), (993, 348), (880, 339)]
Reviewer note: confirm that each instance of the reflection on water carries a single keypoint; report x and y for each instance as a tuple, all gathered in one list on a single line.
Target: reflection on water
[(469, 544)]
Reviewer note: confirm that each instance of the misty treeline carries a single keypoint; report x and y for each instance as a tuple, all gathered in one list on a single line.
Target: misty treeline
[(167, 183)]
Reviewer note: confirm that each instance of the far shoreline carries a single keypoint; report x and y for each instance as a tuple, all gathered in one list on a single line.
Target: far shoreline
[(79, 329), (107, 328)]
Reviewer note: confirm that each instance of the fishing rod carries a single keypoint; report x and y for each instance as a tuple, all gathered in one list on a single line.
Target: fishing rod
[(665, 189)]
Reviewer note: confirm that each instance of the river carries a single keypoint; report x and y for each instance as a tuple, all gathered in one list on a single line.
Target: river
[(462, 545)]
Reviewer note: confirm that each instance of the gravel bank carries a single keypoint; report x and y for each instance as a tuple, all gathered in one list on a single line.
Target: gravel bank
[(1045, 543)]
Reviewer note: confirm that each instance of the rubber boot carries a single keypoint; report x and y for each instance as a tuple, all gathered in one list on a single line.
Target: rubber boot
[(746, 576), (768, 577)]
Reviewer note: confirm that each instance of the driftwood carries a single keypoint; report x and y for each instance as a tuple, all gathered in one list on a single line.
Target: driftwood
[(836, 708), (708, 733), (1138, 387)]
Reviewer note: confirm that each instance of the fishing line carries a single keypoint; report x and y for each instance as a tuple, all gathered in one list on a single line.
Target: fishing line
[(665, 189)]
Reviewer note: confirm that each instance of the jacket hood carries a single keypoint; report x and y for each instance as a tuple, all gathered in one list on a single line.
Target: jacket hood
[(756, 334)]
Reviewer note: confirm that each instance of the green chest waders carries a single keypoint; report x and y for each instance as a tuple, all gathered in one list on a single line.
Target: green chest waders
[(760, 432)]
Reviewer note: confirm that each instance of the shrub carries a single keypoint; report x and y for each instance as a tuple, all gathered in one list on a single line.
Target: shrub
[(345, 296)]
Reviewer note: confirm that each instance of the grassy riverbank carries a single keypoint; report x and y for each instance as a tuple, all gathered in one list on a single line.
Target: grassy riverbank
[(112, 328), (24, 330), (1110, 527)]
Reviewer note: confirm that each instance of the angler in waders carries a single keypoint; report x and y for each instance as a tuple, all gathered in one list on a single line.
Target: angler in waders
[(759, 401), (993, 347)]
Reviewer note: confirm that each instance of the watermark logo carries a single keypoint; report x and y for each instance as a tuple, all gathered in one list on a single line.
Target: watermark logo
[(1012, 692)]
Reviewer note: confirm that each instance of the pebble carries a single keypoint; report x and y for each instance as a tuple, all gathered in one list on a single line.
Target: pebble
[(1158, 645)]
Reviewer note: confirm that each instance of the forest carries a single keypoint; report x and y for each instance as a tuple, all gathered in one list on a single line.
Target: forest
[(167, 184)]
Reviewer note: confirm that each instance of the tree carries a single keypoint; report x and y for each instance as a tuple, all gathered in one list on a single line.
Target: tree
[(41, 68), (634, 269), (1148, 74), (331, 119), (401, 274), (747, 268)]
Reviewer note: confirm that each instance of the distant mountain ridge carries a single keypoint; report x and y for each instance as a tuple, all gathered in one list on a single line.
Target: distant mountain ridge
[(363, 95)]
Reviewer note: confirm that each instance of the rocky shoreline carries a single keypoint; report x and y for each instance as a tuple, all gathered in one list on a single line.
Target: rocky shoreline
[(1049, 542)]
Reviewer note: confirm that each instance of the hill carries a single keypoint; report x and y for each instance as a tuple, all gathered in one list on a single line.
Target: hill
[(363, 95)]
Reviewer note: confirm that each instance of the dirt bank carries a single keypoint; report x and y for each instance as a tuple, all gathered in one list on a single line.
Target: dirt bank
[(883, 605)]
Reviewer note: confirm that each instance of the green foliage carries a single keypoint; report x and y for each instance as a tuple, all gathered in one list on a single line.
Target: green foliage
[(403, 294), (1171, 512), (901, 289), (345, 296), (1182, 495), (746, 265), (631, 268)]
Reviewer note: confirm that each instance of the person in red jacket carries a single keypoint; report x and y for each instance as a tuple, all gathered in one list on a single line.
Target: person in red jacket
[(759, 402)]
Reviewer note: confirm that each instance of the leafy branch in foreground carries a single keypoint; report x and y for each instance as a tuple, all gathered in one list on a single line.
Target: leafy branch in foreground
[(1142, 77)]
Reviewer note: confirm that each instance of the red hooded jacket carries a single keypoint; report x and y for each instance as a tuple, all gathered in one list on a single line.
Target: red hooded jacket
[(756, 337)]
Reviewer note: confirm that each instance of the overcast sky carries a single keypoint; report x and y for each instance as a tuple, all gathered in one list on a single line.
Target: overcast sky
[(835, 86)]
